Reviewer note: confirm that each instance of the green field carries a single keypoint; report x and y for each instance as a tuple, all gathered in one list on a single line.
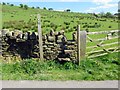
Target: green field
[(102, 68), (14, 17)]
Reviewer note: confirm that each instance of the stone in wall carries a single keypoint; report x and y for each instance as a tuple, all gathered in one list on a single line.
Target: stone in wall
[(26, 45)]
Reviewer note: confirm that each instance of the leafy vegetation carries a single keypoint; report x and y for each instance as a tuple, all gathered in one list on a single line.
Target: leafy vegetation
[(102, 68), (66, 20)]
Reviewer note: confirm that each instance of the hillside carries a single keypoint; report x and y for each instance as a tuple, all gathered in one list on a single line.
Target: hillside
[(20, 51), (14, 17)]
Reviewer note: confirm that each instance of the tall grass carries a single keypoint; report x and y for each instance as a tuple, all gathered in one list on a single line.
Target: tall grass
[(102, 68)]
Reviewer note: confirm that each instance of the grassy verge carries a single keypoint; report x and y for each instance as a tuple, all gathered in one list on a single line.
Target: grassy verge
[(102, 68)]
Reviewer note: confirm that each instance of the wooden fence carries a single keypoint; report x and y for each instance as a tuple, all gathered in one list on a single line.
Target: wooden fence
[(102, 46)]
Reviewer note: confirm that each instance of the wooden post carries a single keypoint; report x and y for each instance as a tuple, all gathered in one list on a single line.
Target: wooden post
[(78, 44), (40, 38), (81, 44)]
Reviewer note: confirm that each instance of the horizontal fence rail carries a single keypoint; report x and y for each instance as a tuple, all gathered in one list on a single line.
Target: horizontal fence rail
[(102, 46), (103, 32)]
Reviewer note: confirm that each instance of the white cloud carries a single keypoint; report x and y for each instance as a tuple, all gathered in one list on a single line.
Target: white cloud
[(94, 1), (60, 10), (43, 0), (98, 2), (69, 0), (102, 4), (105, 6)]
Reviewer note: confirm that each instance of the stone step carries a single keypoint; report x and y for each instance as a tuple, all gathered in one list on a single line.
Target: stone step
[(69, 51), (48, 43), (71, 43), (51, 38), (51, 46), (64, 59), (44, 46), (20, 40), (50, 52)]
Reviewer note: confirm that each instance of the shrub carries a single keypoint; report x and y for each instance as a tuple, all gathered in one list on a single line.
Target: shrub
[(78, 22), (25, 7), (11, 4), (67, 27), (44, 8), (87, 30), (46, 21), (12, 16), (66, 23), (52, 24), (4, 3), (97, 25), (37, 7), (85, 26), (110, 27), (50, 9), (68, 10), (66, 30), (42, 26), (109, 15), (21, 5), (70, 30), (74, 27), (95, 22), (48, 25), (33, 7)]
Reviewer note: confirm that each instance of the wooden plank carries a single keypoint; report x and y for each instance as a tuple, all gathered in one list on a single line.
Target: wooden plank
[(102, 45), (98, 55), (100, 39), (99, 51), (99, 45), (40, 38), (101, 54), (103, 32)]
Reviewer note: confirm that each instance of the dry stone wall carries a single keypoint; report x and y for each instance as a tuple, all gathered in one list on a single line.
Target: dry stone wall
[(26, 45)]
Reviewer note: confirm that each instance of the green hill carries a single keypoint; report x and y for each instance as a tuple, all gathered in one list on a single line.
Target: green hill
[(14, 17)]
